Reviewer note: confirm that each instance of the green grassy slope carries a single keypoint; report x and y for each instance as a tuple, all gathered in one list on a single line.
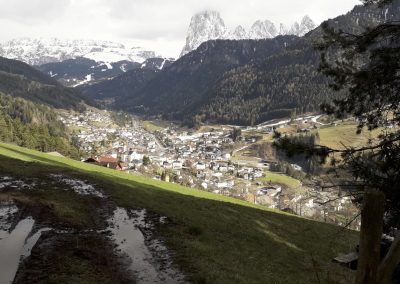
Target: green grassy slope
[(214, 239), (281, 179)]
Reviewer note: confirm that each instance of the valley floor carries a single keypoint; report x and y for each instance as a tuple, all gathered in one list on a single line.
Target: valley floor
[(210, 238)]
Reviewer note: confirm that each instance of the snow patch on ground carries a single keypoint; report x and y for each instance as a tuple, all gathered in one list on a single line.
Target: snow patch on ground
[(162, 64), (78, 186), (109, 66), (123, 67), (87, 80), (7, 211), (12, 183)]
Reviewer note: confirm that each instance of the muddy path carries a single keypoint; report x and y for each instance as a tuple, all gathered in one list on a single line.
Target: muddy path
[(63, 229)]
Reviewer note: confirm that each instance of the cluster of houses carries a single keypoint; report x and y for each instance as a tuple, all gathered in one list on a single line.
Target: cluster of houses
[(98, 134), (201, 159), (206, 156)]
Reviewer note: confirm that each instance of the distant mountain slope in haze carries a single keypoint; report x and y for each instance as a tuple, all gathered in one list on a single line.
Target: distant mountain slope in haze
[(128, 83), (18, 79), (83, 71), (78, 71)]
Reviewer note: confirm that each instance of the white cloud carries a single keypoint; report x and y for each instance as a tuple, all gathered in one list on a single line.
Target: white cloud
[(33, 11), (160, 25)]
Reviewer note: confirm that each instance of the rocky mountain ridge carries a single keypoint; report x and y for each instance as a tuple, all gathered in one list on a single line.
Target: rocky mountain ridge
[(209, 25)]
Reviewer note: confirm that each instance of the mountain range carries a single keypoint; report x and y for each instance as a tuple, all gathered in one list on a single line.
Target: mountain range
[(77, 62), (46, 50), (244, 81), (209, 25)]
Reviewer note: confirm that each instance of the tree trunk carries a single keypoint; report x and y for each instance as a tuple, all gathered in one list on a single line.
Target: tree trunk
[(370, 237), (389, 263)]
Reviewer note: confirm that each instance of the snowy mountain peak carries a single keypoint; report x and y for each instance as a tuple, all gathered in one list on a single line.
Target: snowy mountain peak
[(204, 26), (307, 24), (209, 25), (46, 50)]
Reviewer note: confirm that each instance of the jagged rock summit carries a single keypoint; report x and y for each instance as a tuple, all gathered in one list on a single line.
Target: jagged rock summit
[(209, 25), (204, 26)]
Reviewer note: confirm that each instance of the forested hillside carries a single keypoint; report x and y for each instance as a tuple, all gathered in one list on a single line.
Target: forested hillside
[(190, 82), (18, 79), (282, 84), (33, 126)]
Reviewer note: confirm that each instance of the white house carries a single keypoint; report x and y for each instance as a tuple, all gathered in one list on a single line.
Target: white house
[(222, 184), (177, 165), (200, 166)]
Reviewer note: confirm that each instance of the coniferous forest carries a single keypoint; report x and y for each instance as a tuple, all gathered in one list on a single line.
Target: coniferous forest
[(33, 126)]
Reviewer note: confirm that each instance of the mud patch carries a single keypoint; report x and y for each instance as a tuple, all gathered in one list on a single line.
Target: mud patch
[(148, 259), (78, 186), (72, 257)]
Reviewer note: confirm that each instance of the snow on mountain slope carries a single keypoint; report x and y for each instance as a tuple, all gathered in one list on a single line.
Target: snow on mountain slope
[(81, 71), (209, 25), (239, 33), (260, 30), (42, 51)]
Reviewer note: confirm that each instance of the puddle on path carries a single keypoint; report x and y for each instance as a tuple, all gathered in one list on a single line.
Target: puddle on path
[(15, 245), (11, 247), (149, 264), (78, 186), (31, 242)]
